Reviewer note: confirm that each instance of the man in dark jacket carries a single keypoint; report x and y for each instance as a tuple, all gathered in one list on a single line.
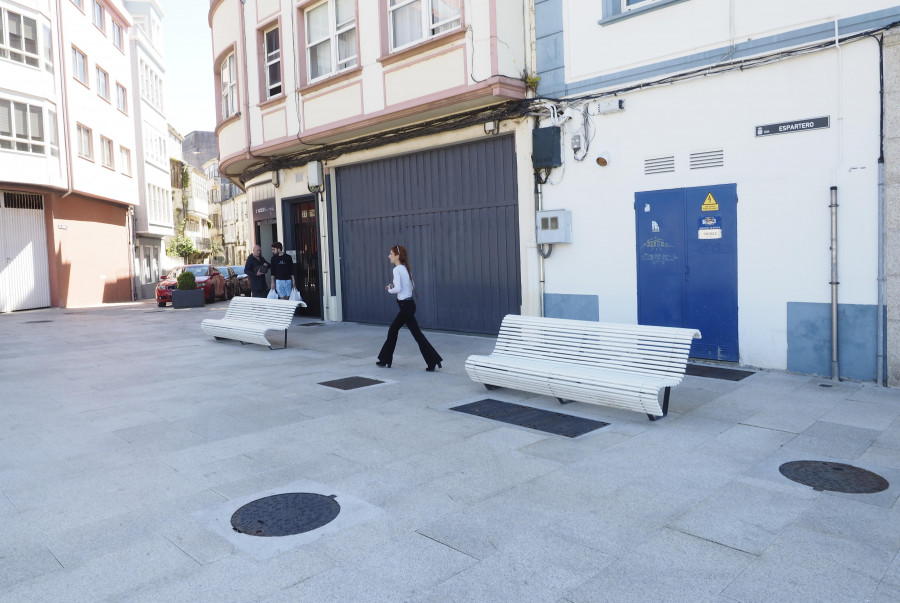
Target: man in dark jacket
[(255, 269)]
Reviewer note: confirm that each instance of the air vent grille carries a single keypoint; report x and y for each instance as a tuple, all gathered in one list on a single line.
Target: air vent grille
[(707, 159), (659, 165), (22, 200)]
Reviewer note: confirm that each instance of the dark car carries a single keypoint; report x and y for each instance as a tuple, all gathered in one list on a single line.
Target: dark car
[(243, 279), (207, 277), (232, 282)]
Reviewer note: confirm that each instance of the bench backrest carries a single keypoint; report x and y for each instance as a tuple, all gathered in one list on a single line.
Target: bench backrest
[(621, 347), (276, 312)]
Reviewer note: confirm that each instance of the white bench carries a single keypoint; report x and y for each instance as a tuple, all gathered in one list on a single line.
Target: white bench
[(618, 365), (248, 319)]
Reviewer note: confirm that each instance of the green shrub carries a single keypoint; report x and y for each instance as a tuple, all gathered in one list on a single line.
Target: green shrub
[(187, 281)]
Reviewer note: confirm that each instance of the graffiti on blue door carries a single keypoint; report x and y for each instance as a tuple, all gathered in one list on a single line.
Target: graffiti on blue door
[(687, 264)]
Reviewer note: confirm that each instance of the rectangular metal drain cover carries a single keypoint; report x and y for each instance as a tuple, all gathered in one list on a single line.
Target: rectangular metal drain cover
[(312, 324), (533, 418), (351, 382), (715, 372)]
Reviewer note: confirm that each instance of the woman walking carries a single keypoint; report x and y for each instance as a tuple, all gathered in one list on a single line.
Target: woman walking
[(403, 287)]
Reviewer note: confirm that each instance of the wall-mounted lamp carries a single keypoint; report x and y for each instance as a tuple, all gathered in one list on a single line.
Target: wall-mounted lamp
[(491, 127), (603, 159)]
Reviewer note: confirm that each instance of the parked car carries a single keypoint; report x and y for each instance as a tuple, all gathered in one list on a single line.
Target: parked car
[(243, 279), (232, 283), (208, 278)]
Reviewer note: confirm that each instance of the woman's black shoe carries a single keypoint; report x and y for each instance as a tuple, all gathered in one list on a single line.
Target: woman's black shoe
[(430, 367), (384, 364)]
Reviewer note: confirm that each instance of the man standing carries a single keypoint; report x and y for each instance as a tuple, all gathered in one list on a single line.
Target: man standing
[(282, 271), (255, 269)]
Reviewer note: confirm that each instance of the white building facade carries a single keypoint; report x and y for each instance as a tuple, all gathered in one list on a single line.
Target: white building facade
[(154, 218), (732, 146), (67, 172), (355, 126)]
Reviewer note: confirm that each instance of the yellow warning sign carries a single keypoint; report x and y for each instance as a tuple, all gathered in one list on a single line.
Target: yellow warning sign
[(710, 203)]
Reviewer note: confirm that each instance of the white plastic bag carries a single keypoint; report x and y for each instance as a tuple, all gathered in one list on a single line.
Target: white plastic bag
[(272, 294), (295, 296)]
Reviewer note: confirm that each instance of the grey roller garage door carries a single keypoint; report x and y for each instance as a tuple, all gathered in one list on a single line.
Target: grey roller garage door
[(456, 210)]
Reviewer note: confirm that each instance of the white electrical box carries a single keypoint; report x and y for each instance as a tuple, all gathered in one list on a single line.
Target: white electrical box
[(314, 174), (554, 226), (610, 105)]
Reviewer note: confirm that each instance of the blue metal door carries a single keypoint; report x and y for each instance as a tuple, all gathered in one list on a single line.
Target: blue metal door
[(687, 264)]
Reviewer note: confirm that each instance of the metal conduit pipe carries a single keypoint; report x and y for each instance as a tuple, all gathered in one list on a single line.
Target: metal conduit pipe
[(835, 370)]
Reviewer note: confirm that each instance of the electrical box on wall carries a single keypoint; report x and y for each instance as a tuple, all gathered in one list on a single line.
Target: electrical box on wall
[(554, 226), (546, 149), (314, 174)]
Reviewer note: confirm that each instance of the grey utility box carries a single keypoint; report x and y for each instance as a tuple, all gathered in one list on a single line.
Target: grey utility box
[(554, 226)]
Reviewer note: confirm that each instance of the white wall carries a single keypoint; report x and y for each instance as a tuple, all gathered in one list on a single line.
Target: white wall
[(782, 182)]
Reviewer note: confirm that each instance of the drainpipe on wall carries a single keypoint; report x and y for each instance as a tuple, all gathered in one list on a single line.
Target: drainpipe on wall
[(879, 308), (538, 205), (835, 371), (64, 101)]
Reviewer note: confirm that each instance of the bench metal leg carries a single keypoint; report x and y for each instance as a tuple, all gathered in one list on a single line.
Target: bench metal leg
[(561, 401), (665, 405), (488, 386)]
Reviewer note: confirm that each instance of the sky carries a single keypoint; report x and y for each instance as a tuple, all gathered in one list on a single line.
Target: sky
[(190, 90)]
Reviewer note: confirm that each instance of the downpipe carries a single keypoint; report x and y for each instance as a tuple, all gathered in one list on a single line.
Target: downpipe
[(879, 308), (835, 369)]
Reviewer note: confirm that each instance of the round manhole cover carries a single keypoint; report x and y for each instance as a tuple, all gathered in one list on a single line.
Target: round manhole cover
[(836, 477), (285, 514)]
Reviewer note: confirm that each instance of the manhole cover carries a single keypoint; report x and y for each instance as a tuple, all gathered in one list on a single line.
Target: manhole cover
[(348, 383), (285, 514), (836, 477)]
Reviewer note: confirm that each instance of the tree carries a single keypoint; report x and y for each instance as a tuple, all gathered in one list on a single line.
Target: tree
[(181, 247)]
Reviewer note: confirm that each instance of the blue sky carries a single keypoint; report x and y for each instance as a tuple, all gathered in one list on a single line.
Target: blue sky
[(190, 90)]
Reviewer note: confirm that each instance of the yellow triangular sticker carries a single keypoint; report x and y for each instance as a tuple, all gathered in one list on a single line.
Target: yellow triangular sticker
[(710, 203)]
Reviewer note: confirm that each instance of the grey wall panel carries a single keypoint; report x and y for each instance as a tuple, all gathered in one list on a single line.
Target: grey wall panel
[(456, 210)]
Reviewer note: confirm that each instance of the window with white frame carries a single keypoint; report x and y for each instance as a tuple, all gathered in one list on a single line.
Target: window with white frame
[(121, 98), (19, 38), (228, 72), (272, 49), (21, 127), (410, 21), (48, 49), (102, 83), (99, 16), (125, 160), (106, 152), (52, 136), (78, 3), (117, 34), (85, 142), (79, 66), (330, 38), (616, 9)]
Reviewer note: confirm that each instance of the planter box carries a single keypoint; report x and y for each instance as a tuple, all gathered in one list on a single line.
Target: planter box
[(195, 298)]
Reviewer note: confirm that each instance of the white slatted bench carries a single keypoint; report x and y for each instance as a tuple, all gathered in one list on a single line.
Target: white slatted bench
[(248, 319), (618, 365)]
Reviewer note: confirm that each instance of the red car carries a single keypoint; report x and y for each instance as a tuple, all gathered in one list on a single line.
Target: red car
[(208, 278)]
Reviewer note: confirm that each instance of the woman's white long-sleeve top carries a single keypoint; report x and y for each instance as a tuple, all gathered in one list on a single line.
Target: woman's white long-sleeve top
[(402, 286)]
